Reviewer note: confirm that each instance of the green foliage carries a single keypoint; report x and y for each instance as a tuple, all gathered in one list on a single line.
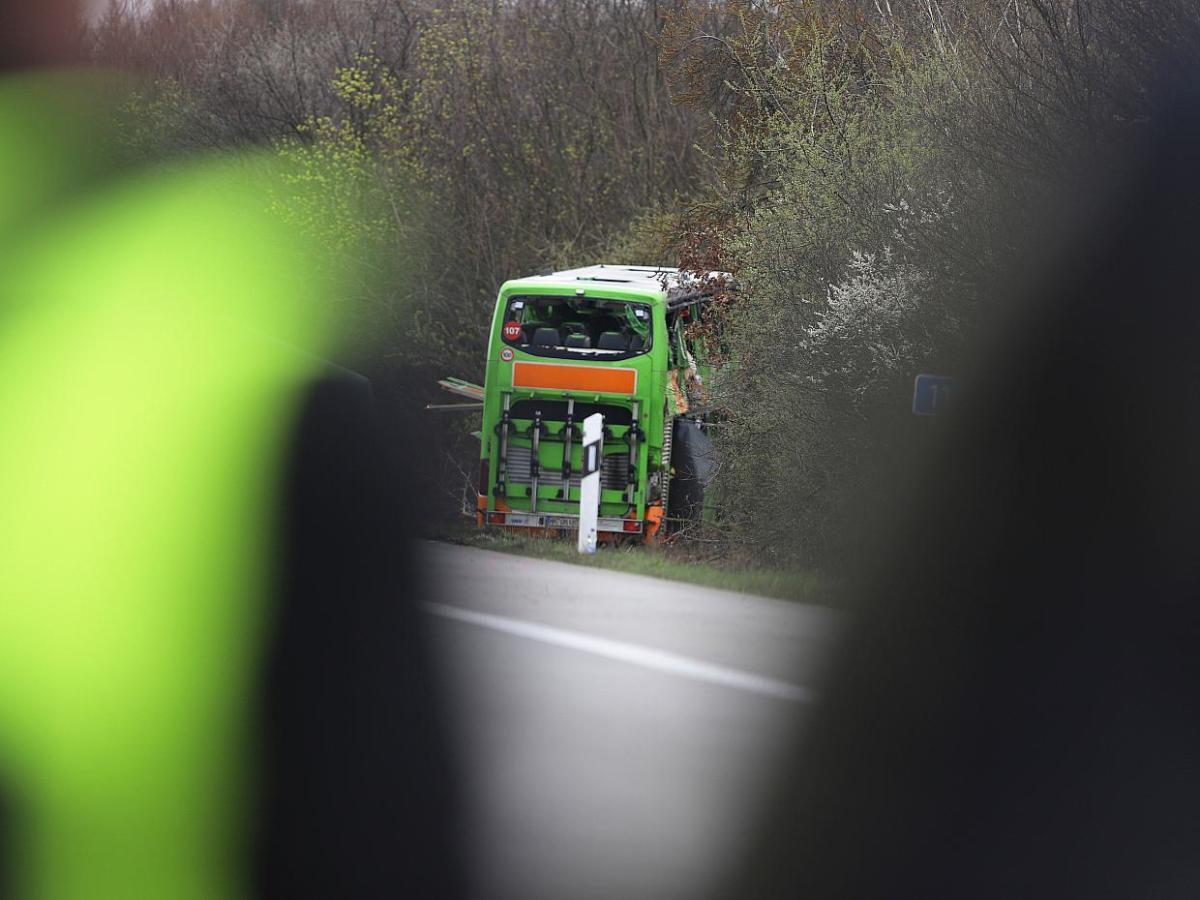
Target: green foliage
[(844, 295), (491, 153), (443, 147), (672, 564), (152, 119), (881, 166), (647, 239), (855, 174), (864, 168)]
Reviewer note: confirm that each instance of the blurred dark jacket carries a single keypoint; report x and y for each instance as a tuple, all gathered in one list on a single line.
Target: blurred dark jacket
[(1016, 713)]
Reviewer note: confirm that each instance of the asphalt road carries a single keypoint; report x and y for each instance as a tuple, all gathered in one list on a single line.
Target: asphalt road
[(616, 733)]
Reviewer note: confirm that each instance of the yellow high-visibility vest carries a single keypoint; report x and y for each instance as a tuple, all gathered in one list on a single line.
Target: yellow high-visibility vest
[(146, 393)]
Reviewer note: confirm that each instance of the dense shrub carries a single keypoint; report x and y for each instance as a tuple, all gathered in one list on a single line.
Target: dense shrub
[(882, 165), (867, 169)]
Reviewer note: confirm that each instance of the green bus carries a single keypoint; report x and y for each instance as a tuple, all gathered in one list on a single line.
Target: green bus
[(603, 339)]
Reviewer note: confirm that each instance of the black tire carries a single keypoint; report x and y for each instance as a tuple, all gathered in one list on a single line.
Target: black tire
[(692, 459)]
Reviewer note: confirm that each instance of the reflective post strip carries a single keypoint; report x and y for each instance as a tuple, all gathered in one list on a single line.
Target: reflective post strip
[(631, 478), (533, 460), (568, 433), (502, 466), (589, 489)]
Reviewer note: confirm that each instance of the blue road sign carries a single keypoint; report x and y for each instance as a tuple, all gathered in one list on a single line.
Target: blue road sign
[(933, 394)]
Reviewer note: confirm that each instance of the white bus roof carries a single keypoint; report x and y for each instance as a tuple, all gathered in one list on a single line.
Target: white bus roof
[(672, 283)]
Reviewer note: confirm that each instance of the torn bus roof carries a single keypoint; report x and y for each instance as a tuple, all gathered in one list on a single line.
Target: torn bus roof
[(668, 284)]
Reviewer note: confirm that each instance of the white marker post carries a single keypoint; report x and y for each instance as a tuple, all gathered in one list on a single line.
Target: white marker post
[(589, 485)]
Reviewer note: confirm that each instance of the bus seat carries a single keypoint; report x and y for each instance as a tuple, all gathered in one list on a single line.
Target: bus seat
[(613, 340)]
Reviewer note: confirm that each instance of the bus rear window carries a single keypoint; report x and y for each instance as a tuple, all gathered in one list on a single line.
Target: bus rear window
[(578, 327)]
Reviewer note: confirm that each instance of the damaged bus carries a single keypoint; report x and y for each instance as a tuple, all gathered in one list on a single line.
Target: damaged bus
[(604, 339)]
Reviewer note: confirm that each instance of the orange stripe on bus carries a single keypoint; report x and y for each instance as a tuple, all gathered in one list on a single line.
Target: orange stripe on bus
[(588, 379)]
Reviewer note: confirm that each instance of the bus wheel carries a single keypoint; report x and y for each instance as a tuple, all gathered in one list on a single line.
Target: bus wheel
[(692, 463)]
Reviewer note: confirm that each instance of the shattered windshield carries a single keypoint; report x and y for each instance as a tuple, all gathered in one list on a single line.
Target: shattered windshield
[(578, 327)]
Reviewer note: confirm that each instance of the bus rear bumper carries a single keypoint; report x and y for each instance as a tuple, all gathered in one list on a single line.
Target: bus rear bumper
[(558, 522)]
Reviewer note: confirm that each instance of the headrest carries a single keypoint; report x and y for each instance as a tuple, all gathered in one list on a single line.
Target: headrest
[(612, 340)]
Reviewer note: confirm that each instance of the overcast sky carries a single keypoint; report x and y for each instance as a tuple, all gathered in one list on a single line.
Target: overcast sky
[(95, 8)]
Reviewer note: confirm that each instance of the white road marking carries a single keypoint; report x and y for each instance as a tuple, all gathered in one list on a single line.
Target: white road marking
[(634, 654)]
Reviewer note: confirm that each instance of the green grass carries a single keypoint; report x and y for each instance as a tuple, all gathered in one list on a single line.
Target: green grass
[(673, 564)]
